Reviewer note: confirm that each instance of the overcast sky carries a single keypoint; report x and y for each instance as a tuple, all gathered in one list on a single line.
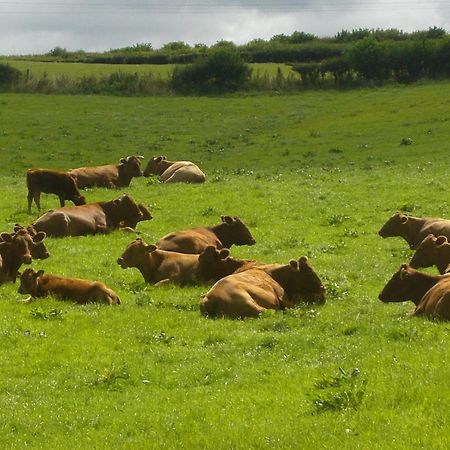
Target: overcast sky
[(37, 26)]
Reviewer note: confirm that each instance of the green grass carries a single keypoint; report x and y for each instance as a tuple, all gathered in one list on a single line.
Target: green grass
[(77, 70), (314, 173)]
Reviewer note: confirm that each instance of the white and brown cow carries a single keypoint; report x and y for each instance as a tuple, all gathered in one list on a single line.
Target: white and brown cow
[(174, 171)]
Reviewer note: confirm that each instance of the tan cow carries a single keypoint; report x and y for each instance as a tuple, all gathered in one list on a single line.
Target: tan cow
[(231, 231), (40, 284), (174, 171), (414, 229), (432, 251), (430, 293), (274, 286), (109, 176), (161, 266), (99, 217)]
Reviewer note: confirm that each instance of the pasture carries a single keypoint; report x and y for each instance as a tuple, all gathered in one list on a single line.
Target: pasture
[(316, 174)]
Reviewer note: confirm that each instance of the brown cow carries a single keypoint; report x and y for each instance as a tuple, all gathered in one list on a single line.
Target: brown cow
[(161, 266), (38, 284), (38, 250), (414, 229), (174, 171), (432, 251), (430, 293), (100, 217), (231, 231), (274, 286), (131, 223), (52, 182), (110, 176), (15, 251)]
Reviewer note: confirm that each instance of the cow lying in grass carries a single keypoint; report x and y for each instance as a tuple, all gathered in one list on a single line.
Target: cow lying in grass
[(414, 229), (109, 176), (432, 251), (231, 231), (174, 171), (99, 217), (160, 266), (39, 284), (38, 249), (250, 292), (430, 293), (15, 250)]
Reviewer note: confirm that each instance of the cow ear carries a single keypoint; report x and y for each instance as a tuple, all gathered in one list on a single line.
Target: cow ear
[(150, 248), (224, 253), (210, 250), (163, 157), (403, 271), (227, 219), (404, 219), (440, 241), (39, 237), (303, 260), (6, 237), (159, 159), (18, 227), (39, 273), (139, 157), (294, 264), (124, 160)]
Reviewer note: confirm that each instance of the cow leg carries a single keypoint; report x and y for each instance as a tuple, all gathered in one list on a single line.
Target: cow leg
[(62, 201), (37, 199), (30, 201)]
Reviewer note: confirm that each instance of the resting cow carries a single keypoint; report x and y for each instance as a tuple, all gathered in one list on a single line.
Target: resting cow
[(231, 231), (174, 171), (40, 284), (100, 217), (430, 293), (110, 176), (414, 229), (15, 250), (161, 266), (432, 251), (52, 182), (249, 293), (133, 221), (38, 250)]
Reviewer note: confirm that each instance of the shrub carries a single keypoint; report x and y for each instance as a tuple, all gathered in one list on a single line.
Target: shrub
[(9, 76)]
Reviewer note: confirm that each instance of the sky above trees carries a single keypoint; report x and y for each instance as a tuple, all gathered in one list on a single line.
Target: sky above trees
[(36, 26)]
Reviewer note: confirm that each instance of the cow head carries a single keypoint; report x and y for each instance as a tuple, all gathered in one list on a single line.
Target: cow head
[(135, 254), (29, 282), (214, 264), (394, 226), (239, 231), (77, 198), (300, 281), (126, 209), (400, 287), (132, 165), (38, 249), (427, 252), (156, 166), (20, 244), (146, 215)]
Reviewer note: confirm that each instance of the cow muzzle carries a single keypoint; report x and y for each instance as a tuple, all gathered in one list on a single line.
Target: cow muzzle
[(121, 263), (27, 259)]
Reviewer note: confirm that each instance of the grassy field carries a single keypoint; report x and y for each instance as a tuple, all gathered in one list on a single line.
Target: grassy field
[(312, 174), (74, 70)]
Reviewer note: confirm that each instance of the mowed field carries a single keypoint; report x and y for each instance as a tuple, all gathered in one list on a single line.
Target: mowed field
[(314, 174)]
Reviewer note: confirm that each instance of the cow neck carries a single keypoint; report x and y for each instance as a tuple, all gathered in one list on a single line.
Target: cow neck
[(422, 283), (111, 217), (152, 261), (281, 275), (125, 177), (412, 229), (231, 265), (223, 233), (163, 165), (443, 258)]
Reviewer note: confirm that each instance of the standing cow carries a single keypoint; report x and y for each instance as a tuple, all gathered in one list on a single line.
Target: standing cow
[(109, 176), (52, 182), (174, 171)]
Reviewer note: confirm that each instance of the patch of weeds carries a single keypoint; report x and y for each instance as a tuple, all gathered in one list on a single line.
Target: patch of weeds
[(110, 377), (163, 338), (350, 331), (40, 313), (153, 179), (335, 150), (335, 291), (363, 146), (209, 211), (408, 207), (315, 134), (350, 233), (403, 334), (406, 141), (279, 326), (213, 340), (269, 343), (341, 392), (337, 219), (333, 248), (309, 154)]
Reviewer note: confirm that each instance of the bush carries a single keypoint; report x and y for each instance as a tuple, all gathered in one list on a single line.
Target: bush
[(220, 71), (9, 76)]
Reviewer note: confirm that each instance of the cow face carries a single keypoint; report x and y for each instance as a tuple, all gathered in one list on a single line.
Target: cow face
[(213, 264), (38, 249), (79, 200), (127, 208), (20, 245), (241, 234), (29, 282), (132, 165), (135, 254), (155, 166), (304, 283), (427, 251), (394, 226), (400, 287)]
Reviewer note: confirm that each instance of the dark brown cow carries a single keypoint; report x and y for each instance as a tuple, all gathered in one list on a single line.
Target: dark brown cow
[(414, 229), (231, 231), (15, 251), (100, 217), (430, 293), (174, 171), (38, 250), (275, 286), (40, 284), (161, 266), (132, 222), (432, 251), (109, 176), (52, 182)]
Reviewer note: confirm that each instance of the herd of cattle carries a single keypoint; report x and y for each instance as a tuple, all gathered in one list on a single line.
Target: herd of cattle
[(242, 287)]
